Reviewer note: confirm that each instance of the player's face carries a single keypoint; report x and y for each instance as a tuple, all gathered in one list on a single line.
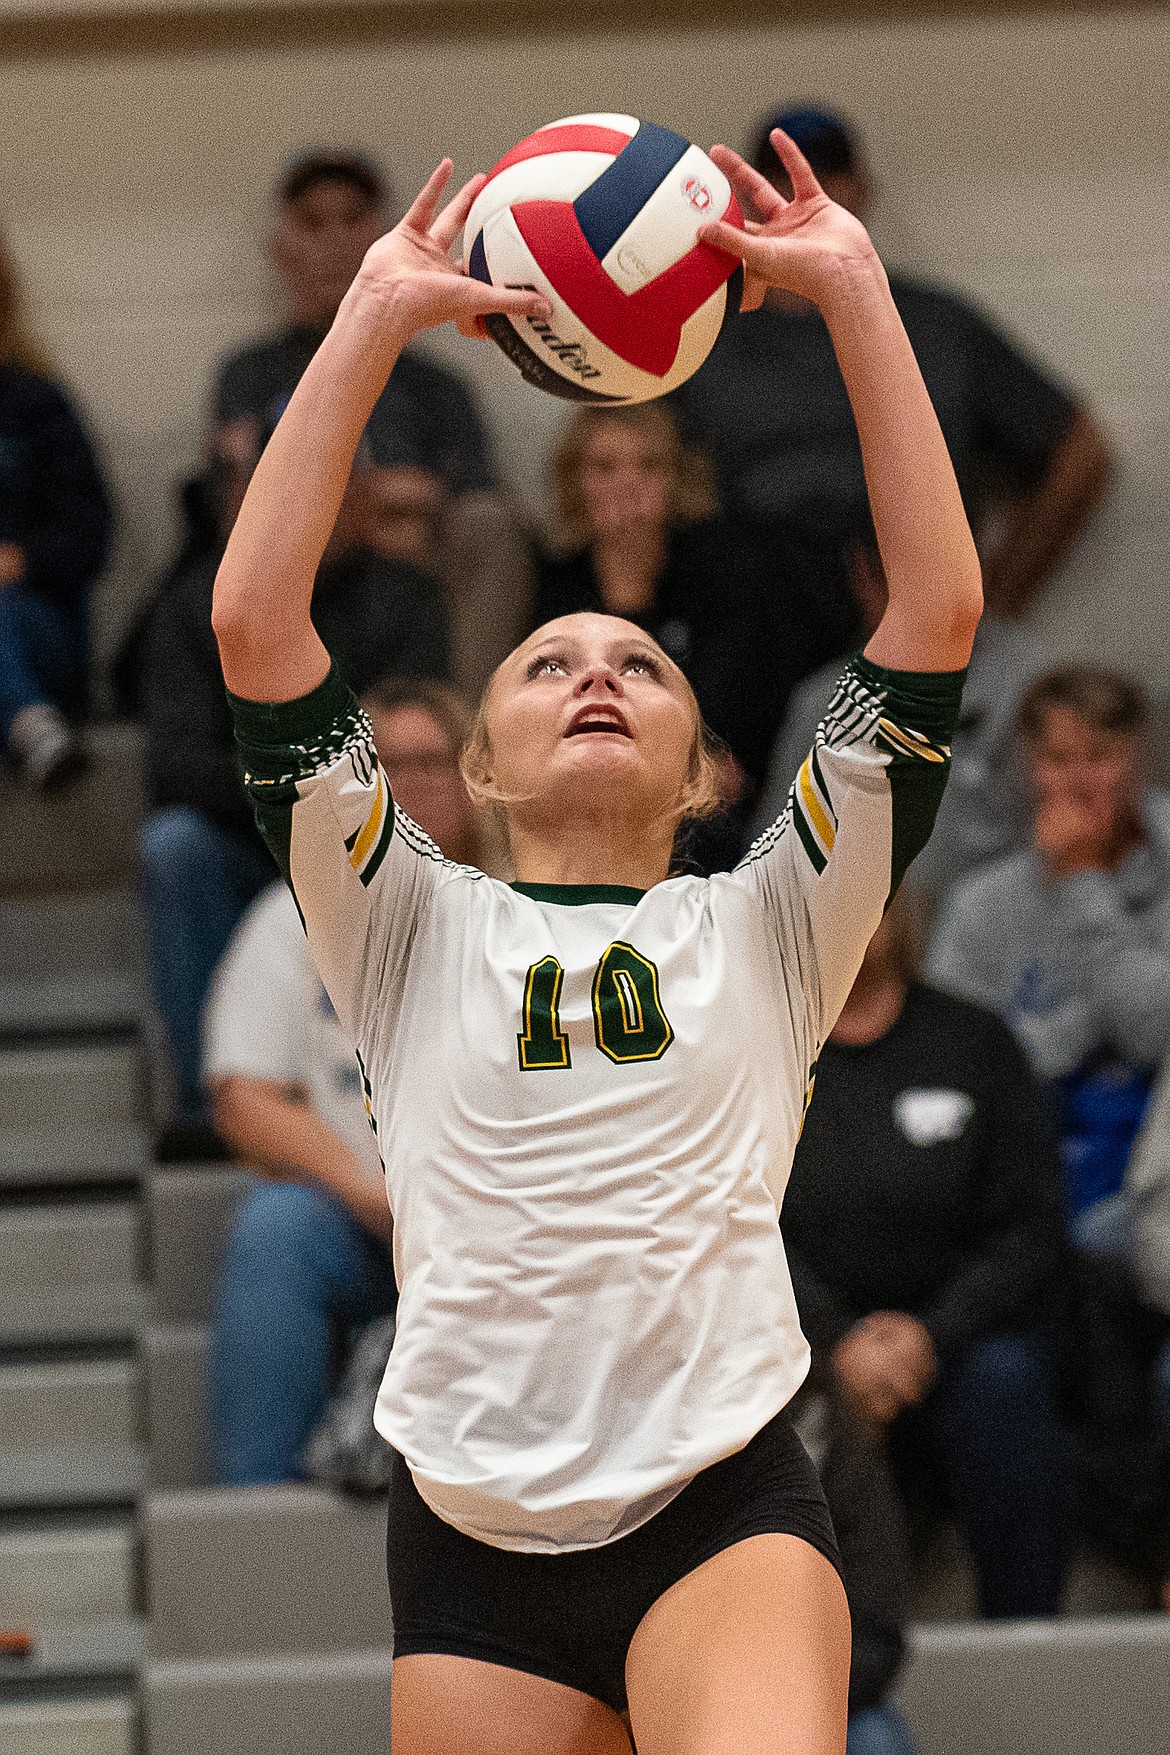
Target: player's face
[(625, 479), (589, 714), (322, 239)]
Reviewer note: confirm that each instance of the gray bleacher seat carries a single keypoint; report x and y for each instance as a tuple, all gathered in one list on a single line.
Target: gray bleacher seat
[(82, 1726), (69, 1433), (191, 1212), (72, 962), (71, 1111), (1076, 1687), (82, 839), (70, 1271), (253, 1571), (174, 1357), (302, 1704), (57, 1571)]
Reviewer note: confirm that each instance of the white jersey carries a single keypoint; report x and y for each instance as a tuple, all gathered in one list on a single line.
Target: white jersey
[(587, 1101)]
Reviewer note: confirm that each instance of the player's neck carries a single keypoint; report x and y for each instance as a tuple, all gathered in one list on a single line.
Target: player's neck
[(591, 853)]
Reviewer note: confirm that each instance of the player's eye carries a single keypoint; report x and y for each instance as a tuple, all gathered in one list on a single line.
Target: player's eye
[(546, 665), (642, 664)]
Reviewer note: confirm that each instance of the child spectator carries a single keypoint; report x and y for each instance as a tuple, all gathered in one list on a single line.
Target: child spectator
[(638, 510), (202, 860), (437, 488), (54, 537), (309, 1257), (1069, 940), (770, 405), (924, 1233)]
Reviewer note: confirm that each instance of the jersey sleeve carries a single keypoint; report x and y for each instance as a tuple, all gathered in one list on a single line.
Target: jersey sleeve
[(859, 810), (361, 872)]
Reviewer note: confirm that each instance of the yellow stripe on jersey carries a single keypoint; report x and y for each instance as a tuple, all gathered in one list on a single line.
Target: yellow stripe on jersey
[(911, 743), (371, 826), (816, 810)]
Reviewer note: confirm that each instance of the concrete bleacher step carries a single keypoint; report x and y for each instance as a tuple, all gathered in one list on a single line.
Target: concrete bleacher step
[(72, 962), (191, 1213), (1095, 1686), (69, 1433), (82, 839), (304, 1704), (253, 1571), (82, 1726), (70, 1271), (174, 1358), (70, 1111), (59, 1571)]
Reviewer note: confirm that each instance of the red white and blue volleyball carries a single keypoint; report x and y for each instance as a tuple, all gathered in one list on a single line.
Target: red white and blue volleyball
[(601, 214)]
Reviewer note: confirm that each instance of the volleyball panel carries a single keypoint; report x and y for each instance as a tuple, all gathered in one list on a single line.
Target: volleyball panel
[(564, 355)]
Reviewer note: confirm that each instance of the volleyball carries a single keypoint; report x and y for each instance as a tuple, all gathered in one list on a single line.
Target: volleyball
[(601, 214)]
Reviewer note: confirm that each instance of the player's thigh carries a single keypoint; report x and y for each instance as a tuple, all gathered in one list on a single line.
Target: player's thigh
[(445, 1705), (747, 1655)]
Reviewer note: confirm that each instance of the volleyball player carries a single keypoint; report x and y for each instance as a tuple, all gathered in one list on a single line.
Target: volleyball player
[(588, 1085)]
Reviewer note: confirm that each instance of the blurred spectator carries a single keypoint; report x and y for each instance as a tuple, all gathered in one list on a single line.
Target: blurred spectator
[(309, 1257), (871, 1537), (639, 511), (771, 406), (924, 1232), (202, 859), (438, 507), (984, 811), (54, 538), (1069, 940)]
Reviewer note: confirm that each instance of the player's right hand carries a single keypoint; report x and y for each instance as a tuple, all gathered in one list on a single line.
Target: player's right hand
[(411, 268)]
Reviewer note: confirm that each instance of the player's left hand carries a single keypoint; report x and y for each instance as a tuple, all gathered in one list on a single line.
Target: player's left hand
[(411, 267), (809, 245)]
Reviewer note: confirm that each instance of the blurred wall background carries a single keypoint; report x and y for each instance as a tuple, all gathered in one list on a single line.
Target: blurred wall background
[(1022, 159)]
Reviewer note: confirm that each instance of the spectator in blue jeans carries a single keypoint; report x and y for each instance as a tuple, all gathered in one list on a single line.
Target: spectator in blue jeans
[(924, 1230), (309, 1257), (54, 537), (202, 858)]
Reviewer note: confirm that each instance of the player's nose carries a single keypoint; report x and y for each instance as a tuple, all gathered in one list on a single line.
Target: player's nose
[(599, 678)]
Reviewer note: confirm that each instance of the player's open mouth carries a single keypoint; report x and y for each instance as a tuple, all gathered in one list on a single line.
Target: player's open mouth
[(599, 719)]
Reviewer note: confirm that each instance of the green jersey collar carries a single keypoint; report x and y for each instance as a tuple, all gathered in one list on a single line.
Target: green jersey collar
[(576, 895)]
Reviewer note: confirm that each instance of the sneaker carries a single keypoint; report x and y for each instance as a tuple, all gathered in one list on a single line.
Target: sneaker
[(45, 746)]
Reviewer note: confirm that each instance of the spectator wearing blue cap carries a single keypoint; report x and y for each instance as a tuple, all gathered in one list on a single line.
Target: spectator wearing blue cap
[(771, 407)]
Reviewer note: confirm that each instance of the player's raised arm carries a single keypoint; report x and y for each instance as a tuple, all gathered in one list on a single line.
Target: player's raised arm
[(812, 247), (268, 646)]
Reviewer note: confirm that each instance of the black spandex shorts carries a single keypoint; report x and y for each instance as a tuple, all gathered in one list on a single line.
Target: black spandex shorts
[(571, 1617)]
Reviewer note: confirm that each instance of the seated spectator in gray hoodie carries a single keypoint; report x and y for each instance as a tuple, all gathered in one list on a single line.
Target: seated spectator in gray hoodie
[(984, 813), (1069, 939)]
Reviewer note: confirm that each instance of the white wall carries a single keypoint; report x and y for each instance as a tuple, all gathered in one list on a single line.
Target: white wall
[(1022, 160)]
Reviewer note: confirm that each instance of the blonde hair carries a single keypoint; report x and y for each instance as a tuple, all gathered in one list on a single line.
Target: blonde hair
[(692, 481), (698, 797)]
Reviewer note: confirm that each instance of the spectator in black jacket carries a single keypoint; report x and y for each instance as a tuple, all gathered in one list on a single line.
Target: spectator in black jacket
[(202, 859), (638, 509), (771, 407), (924, 1228), (54, 538)]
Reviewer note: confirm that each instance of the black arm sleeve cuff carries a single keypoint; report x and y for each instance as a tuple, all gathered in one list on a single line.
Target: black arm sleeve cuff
[(926, 700)]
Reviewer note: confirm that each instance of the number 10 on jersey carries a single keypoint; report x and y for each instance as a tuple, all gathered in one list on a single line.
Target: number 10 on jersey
[(628, 1020)]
